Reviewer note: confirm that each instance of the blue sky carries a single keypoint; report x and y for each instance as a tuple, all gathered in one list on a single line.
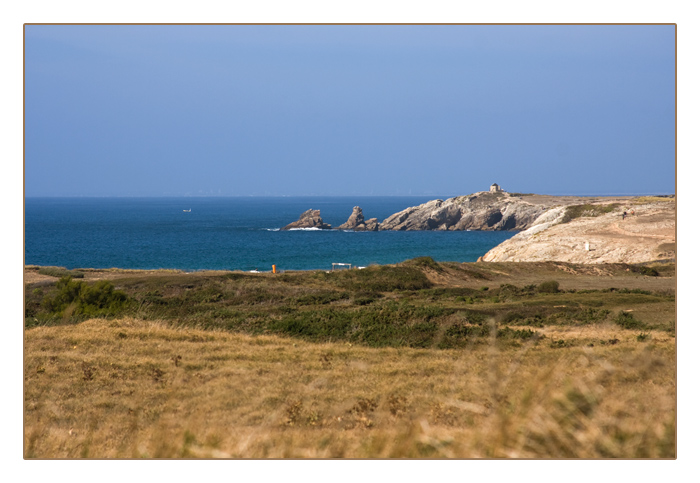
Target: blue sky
[(348, 110)]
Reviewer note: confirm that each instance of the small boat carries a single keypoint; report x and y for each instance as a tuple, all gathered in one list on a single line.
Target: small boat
[(187, 211)]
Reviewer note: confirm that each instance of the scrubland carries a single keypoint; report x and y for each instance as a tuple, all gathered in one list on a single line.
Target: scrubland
[(419, 360)]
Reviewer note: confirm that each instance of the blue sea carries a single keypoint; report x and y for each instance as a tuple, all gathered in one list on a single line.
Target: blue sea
[(233, 233)]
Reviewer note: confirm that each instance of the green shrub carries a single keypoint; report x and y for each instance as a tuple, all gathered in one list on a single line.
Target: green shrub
[(78, 298), (366, 298), (643, 337), (518, 334), (424, 262), (588, 210), (511, 317), (587, 316), (550, 286), (632, 290), (458, 335), (382, 279), (59, 272), (560, 343), (456, 293), (648, 271), (627, 321), (321, 298), (389, 324)]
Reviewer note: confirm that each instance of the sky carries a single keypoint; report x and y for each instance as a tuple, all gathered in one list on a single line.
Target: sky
[(287, 110)]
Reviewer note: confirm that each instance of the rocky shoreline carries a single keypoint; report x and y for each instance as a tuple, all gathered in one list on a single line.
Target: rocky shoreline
[(485, 211), (641, 230), (551, 228)]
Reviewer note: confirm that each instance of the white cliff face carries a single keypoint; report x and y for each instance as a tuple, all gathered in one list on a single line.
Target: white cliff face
[(549, 218), (647, 235)]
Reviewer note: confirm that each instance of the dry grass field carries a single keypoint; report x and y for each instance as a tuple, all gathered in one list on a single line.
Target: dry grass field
[(422, 360)]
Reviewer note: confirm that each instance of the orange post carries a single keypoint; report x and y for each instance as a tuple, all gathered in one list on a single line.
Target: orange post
[(274, 269)]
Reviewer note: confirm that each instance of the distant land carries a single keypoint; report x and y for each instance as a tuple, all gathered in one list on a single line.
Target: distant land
[(610, 229)]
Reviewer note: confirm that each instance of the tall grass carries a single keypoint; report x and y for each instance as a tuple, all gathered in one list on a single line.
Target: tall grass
[(131, 389), (388, 362)]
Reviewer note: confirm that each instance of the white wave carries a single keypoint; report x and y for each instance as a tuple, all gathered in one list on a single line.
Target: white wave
[(272, 229), (307, 229)]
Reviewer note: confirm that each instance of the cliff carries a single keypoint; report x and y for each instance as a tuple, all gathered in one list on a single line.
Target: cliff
[(596, 233), (480, 211)]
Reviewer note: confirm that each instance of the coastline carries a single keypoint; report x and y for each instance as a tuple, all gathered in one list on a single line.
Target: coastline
[(312, 249)]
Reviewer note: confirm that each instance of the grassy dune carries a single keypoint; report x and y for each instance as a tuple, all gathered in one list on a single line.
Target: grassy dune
[(420, 360)]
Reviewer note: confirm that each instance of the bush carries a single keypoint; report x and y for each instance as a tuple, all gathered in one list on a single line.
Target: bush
[(321, 298), (81, 299), (458, 335), (588, 210), (643, 337), (551, 286), (627, 321), (648, 271), (59, 272), (382, 279), (380, 325), (425, 262)]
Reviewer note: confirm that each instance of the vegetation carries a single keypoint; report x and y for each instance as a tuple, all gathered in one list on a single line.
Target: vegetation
[(422, 359), (77, 300), (589, 210), (60, 272), (550, 286), (644, 270), (653, 199), (425, 262)]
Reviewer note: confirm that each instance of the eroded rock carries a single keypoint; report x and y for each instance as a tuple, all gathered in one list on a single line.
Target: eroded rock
[(355, 220), (480, 211), (308, 219)]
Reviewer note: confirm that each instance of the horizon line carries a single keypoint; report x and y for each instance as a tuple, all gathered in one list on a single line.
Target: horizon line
[(588, 194)]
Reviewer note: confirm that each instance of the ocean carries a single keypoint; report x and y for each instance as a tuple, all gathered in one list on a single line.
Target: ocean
[(233, 233)]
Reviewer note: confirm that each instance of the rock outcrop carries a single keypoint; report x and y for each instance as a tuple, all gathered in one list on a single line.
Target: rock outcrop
[(479, 211), (646, 235), (370, 225), (357, 222), (356, 219), (308, 219)]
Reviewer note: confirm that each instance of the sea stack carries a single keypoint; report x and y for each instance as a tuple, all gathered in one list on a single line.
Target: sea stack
[(355, 219), (309, 219), (357, 222)]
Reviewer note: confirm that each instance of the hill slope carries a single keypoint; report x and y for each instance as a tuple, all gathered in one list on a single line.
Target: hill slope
[(561, 234)]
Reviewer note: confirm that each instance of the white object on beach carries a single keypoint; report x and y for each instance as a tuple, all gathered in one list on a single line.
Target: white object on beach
[(588, 247)]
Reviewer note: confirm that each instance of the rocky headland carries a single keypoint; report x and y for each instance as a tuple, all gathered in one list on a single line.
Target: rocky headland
[(484, 210), (479, 211), (551, 228), (633, 230)]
